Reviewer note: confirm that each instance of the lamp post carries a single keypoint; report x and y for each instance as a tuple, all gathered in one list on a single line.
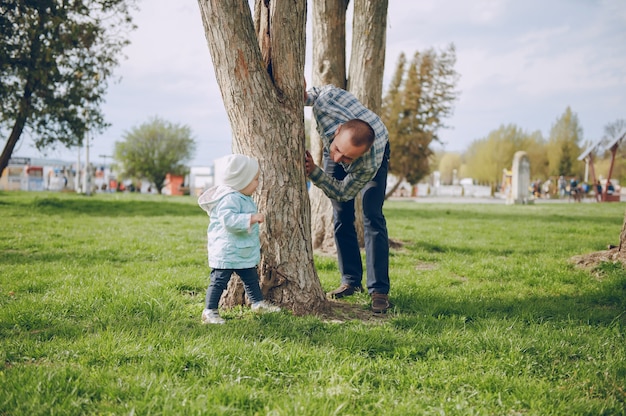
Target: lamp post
[(87, 171)]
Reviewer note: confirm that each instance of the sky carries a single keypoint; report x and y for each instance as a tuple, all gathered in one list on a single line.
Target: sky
[(520, 62)]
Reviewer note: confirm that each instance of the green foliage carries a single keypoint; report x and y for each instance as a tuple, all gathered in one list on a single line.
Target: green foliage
[(535, 146), (418, 101), (56, 60), (100, 314), (486, 158), (564, 146), (448, 163), (154, 149)]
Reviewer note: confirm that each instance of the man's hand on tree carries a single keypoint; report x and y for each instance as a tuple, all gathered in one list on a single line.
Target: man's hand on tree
[(309, 165)]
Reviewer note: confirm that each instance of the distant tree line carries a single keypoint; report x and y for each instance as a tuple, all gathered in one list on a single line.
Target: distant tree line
[(485, 158), (421, 96)]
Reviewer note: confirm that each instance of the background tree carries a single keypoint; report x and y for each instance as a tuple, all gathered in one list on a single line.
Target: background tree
[(329, 67), (364, 80), (535, 147), (367, 65), (563, 147), (449, 163), (420, 97), (154, 149), (259, 67), (486, 158), (56, 58)]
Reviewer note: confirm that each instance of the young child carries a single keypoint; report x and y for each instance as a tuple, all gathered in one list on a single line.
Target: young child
[(233, 235)]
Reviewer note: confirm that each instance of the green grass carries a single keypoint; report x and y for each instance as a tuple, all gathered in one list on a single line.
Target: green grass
[(100, 302)]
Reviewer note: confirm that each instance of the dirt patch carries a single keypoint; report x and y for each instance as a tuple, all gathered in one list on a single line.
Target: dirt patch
[(425, 266), (340, 312), (395, 244), (331, 251), (592, 260)]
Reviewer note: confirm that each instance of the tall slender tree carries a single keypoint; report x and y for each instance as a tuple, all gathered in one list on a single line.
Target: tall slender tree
[(329, 67), (365, 75), (415, 107), (564, 145)]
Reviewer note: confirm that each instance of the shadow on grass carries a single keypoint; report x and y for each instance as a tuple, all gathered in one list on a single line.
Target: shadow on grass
[(424, 326), (448, 248), (69, 257), (108, 208), (604, 306), (463, 213)]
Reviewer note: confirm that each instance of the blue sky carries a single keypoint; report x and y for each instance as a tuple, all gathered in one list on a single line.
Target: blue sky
[(521, 62)]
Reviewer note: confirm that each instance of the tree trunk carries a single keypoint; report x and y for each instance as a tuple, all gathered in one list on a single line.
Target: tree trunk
[(262, 93), (18, 127), (367, 65), (16, 132), (393, 188), (329, 67), (367, 60), (622, 239)]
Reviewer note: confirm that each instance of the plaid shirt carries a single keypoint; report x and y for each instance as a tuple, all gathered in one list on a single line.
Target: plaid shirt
[(333, 106)]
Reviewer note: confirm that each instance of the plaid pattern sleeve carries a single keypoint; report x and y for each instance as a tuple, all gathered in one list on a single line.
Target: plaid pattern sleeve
[(333, 106)]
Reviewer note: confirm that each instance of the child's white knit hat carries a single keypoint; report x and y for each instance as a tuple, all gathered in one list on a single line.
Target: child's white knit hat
[(240, 171)]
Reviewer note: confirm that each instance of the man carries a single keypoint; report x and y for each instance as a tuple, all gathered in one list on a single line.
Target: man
[(356, 159)]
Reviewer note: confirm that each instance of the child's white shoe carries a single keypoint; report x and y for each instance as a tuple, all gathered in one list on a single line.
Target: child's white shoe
[(211, 316), (263, 306)]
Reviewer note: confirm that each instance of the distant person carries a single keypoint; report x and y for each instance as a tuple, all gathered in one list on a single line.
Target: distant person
[(536, 187), (233, 236), (356, 160), (598, 186), (545, 188), (610, 189), (574, 190), (562, 184)]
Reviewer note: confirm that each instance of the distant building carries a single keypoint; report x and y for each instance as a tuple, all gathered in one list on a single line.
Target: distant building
[(201, 178), (27, 174)]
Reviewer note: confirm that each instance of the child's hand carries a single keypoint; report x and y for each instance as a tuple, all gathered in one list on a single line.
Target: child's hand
[(258, 217)]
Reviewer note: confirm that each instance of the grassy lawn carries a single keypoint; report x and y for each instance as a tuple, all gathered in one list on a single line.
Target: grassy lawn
[(100, 302)]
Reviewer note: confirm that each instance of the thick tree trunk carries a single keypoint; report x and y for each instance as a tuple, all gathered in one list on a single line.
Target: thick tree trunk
[(367, 65), (262, 93), (329, 67)]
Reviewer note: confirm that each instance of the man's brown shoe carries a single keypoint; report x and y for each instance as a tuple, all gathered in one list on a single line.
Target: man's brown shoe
[(344, 290), (380, 303)]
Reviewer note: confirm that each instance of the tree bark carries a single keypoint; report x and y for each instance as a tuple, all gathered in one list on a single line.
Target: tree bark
[(329, 67), (262, 92), (622, 239), (23, 113), (367, 60), (16, 132), (367, 65)]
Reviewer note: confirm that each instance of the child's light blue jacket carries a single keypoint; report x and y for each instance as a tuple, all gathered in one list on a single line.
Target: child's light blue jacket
[(232, 242)]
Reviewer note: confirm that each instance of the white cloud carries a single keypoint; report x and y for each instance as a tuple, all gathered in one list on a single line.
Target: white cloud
[(520, 62)]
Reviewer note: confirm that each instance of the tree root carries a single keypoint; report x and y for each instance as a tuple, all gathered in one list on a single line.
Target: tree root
[(592, 260)]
